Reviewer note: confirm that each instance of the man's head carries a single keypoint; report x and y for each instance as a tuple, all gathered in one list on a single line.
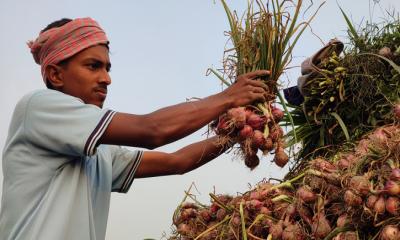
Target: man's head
[(74, 59)]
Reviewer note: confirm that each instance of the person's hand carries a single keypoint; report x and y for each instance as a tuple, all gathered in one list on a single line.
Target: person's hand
[(309, 70), (247, 89), (310, 66)]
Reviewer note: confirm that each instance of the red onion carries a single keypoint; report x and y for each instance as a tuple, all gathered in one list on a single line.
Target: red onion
[(276, 133), (352, 199), (371, 200), (343, 164), (221, 213), (320, 226), (268, 145), (236, 221), (184, 229), (245, 132), (306, 195), (237, 116), (255, 195), (256, 121), (276, 230), (390, 232), (393, 205), (379, 206), (257, 139), (277, 114), (214, 208), (379, 136), (304, 213), (323, 165), (251, 160), (248, 112), (279, 209), (342, 220), (187, 213), (395, 175), (293, 232), (254, 204), (265, 211), (392, 188), (362, 147), (205, 215), (222, 127), (281, 158), (361, 184), (352, 159), (291, 210)]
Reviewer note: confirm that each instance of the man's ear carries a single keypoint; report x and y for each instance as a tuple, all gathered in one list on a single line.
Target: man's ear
[(55, 76)]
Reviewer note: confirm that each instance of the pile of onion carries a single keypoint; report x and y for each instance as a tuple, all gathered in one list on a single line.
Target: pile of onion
[(354, 195), (255, 131)]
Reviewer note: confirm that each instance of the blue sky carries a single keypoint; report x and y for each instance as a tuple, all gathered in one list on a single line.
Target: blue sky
[(160, 51)]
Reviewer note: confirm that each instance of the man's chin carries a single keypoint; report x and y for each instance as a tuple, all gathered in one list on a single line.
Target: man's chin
[(100, 105)]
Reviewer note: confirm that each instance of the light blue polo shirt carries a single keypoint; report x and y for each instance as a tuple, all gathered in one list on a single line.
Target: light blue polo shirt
[(57, 181)]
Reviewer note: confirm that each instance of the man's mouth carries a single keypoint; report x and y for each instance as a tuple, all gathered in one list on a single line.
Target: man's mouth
[(102, 92)]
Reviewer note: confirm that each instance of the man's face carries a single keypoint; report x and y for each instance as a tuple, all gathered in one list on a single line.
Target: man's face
[(86, 75)]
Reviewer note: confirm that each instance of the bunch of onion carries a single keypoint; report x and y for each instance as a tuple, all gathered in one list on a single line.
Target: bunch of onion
[(254, 131), (263, 38)]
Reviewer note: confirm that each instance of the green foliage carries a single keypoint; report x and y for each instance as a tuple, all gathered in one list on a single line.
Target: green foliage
[(352, 93), (264, 37)]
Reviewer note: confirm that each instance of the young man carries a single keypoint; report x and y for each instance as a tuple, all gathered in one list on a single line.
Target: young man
[(62, 158)]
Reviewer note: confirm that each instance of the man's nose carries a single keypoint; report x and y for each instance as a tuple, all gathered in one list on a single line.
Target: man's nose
[(105, 78)]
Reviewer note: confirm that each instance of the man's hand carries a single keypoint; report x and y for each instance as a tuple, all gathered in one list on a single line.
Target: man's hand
[(247, 89)]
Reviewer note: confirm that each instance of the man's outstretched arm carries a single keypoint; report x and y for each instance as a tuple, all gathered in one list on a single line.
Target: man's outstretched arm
[(172, 123), (182, 161)]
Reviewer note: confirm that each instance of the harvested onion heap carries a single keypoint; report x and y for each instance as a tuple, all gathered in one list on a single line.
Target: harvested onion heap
[(354, 195), (263, 38), (255, 130)]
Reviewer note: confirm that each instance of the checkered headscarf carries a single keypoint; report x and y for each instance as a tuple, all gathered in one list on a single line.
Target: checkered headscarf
[(60, 43)]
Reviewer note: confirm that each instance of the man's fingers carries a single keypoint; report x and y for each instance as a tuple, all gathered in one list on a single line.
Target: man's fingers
[(258, 73), (259, 83), (258, 90), (260, 97)]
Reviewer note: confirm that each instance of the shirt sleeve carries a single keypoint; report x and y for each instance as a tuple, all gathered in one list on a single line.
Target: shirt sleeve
[(124, 165), (64, 124)]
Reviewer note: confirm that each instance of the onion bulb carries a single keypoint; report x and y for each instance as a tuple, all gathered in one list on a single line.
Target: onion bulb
[(392, 205), (390, 232)]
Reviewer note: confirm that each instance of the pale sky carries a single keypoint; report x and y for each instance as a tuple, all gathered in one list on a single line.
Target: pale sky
[(160, 53)]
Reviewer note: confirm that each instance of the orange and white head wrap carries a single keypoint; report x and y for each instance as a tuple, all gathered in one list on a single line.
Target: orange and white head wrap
[(60, 43)]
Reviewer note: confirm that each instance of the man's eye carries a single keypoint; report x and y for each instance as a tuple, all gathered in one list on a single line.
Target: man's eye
[(93, 66)]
